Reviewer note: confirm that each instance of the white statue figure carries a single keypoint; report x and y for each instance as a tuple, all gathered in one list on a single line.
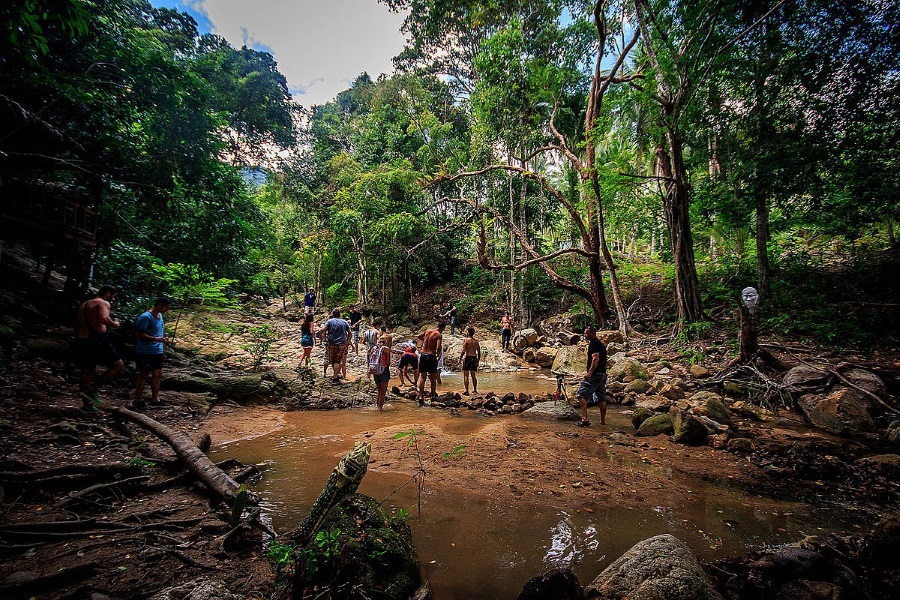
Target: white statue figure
[(750, 298)]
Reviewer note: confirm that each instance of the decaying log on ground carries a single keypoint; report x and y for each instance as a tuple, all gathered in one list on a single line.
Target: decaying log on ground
[(212, 476)]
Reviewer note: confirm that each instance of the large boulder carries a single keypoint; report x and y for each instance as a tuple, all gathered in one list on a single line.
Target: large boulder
[(658, 568), (240, 387), (545, 356), (610, 337), (623, 366), (866, 380), (45, 347), (844, 412), (656, 425), (688, 429), (710, 405), (531, 336), (803, 378), (570, 359), (377, 556)]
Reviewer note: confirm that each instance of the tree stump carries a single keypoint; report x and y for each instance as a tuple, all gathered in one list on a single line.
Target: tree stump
[(749, 337)]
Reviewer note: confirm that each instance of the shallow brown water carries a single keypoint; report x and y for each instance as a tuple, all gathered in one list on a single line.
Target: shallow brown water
[(473, 545)]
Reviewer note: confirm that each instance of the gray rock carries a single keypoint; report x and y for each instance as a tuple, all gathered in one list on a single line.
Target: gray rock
[(638, 386), (655, 425), (614, 348), (655, 403), (710, 405), (867, 380), (553, 410), (623, 366), (570, 359), (804, 378), (659, 568), (893, 431)]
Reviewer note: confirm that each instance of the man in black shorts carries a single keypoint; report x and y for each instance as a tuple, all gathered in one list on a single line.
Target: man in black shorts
[(428, 359), (593, 384), (92, 347), (148, 351), (470, 357)]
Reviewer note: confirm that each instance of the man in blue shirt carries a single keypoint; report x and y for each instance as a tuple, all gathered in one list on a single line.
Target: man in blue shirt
[(337, 333), (148, 350), (309, 302)]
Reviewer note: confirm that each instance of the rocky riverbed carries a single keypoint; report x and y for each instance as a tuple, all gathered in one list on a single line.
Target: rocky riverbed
[(147, 528)]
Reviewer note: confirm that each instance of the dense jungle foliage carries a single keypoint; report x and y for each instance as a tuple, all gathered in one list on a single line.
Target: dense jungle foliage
[(635, 162)]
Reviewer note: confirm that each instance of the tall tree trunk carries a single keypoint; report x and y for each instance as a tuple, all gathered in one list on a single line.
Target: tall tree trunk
[(762, 243), (511, 302), (676, 205)]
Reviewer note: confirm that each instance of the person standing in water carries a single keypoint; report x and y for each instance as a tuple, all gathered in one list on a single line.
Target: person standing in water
[(428, 360), (307, 340), (337, 332), (381, 356), (469, 359)]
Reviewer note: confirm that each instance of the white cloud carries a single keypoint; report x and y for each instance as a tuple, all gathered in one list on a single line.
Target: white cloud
[(320, 45)]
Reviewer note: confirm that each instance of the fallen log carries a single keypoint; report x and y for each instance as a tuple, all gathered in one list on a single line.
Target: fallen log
[(212, 476)]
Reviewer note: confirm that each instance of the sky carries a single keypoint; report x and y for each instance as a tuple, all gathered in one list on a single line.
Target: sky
[(320, 45)]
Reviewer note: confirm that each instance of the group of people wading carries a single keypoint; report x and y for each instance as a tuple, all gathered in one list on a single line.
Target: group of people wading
[(420, 359)]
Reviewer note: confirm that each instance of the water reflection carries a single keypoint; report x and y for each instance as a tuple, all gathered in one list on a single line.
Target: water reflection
[(569, 544)]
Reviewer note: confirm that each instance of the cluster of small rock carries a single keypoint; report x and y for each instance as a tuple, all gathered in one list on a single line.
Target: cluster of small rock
[(490, 402)]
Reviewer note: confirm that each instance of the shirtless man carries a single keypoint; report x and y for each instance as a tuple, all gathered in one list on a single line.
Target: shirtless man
[(506, 324), (91, 346), (469, 359), (428, 359)]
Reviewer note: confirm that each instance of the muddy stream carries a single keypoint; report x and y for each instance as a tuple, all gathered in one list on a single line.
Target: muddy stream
[(472, 544)]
